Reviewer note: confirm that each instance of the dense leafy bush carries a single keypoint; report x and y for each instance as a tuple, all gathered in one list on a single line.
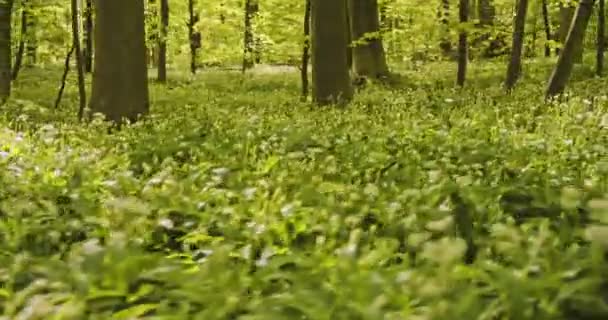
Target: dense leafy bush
[(234, 201)]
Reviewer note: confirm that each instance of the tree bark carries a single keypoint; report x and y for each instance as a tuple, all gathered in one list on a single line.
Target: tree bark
[(120, 82), (567, 12), (444, 15), (82, 95), (330, 75), (153, 36), (369, 59), (162, 41), (193, 35), (547, 25), (463, 50), (514, 69), (31, 42), (486, 12), (22, 41), (561, 73), (251, 10), (64, 77), (6, 7), (349, 38), (88, 36), (601, 38), (305, 52)]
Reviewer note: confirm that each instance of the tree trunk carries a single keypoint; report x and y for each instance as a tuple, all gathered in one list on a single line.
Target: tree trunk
[(547, 25), (531, 49), (251, 10), (88, 36), (486, 12), (514, 69), (330, 75), (31, 41), (6, 7), (561, 73), (193, 34), (444, 17), (79, 60), (22, 41), (120, 82), (349, 37), (601, 38), (64, 76), (305, 52), (566, 12), (369, 59), (162, 41), (153, 36), (463, 50)]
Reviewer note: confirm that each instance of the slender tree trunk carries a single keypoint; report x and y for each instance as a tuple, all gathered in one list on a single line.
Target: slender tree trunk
[(31, 41), (305, 52), (251, 10), (369, 59), (463, 50), (22, 41), (88, 37), (486, 12), (153, 36), (330, 75), (567, 12), (473, 9), (6, 7), (64, 76), (193, 35), (547, 25), (514, 69), (162, 41), (82, 95), (120, 81), (601, 38), (444, 15), (561, 73), (532, 48), (384, 23), (349, 37)]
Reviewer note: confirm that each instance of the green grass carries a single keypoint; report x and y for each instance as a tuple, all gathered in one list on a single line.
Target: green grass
[(234, 200)]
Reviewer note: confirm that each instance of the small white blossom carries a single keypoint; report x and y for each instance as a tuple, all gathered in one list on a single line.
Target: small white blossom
[(166, 223), (249, 193), (220, 171), (91, 247), (287, 210)]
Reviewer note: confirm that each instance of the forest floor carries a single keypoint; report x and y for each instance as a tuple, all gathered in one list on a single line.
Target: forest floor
[(235, 200)]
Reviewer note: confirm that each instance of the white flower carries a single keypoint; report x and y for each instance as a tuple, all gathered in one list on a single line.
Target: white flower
[(287, 210), (166, 223), (249, 193), (220, 171), (91, 247), (604, 122)]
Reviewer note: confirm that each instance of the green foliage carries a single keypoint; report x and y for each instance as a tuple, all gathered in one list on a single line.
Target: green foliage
[(235, 201), (411, 30)]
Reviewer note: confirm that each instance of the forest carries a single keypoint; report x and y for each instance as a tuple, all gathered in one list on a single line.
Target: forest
[(303, 159)]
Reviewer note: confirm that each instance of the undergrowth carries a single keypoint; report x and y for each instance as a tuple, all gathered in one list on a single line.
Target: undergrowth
[(234, 200)]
